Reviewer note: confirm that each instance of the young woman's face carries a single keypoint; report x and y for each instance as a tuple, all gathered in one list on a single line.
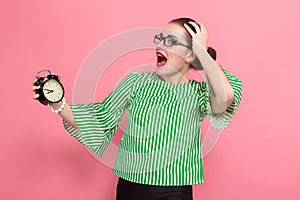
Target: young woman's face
[(175, 58)]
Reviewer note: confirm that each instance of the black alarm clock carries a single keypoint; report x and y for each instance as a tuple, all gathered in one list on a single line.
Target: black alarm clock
[(51, 90)]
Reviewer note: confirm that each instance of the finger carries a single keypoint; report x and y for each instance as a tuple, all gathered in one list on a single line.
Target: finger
[(197, 26), (35, 88), (35, 96), (34, 80), (36, 76), (189, 29), (59, 77), (203, 27)]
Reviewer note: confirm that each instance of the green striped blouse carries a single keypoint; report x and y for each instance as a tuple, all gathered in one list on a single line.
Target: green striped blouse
[(162, 143)]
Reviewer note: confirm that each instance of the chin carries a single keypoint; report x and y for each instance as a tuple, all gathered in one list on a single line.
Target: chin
[(165, 71)]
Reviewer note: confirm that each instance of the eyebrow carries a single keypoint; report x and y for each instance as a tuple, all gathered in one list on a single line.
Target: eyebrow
[(173, 36), (169, 35)]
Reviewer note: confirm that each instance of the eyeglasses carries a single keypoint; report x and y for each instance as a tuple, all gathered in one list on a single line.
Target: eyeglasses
[(168, 41)]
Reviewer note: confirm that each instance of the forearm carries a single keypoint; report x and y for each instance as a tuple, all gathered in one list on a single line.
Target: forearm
[(66, 113), (221, 86)]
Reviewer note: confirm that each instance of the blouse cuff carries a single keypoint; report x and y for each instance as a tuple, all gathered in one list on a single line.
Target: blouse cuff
[(222, 120), (95, 126)]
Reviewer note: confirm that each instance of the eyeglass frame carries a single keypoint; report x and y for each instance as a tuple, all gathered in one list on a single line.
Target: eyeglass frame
[(164, 41)]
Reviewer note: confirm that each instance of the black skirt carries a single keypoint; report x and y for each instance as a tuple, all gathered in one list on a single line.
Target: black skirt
[(127, 190)]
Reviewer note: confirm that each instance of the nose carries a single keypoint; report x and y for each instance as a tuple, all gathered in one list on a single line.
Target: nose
[(160, 45)]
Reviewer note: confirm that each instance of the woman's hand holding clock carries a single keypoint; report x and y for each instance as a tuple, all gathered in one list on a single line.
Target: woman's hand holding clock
[(48, 92), (53, 88)]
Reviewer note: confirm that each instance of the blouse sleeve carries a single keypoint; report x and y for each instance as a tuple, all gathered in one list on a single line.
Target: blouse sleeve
[(222, 120), (97, 122)]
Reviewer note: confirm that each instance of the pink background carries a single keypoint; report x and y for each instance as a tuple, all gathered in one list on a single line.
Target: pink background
[(256, 157)]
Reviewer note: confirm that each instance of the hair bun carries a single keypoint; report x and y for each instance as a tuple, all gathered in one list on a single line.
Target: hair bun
[(212, 52)]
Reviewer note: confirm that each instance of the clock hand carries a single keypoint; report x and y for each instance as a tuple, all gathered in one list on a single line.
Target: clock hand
[(47, 89), (50, 91)]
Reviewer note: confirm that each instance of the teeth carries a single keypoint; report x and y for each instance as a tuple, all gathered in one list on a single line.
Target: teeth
[(161, 59), (160, 55)]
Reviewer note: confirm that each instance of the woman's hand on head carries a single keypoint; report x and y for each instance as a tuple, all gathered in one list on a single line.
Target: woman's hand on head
[(200, 37)]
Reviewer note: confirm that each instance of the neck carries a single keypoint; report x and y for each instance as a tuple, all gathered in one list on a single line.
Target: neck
[(176, 78)]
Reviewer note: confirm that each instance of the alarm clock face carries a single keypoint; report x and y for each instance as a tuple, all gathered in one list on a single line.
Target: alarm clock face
[(53, 91)]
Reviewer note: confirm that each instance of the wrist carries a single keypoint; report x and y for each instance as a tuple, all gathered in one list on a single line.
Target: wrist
[(57, 107)]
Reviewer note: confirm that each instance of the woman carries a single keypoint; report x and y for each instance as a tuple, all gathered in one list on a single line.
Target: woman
[(160, 151)]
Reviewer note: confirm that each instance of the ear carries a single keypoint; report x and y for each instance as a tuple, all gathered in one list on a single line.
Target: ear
[(190, 56)]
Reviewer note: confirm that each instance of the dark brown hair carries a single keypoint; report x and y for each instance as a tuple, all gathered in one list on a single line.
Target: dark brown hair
[(181, 21)]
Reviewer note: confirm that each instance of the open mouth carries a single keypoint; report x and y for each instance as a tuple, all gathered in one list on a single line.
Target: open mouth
[(161, 59)]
